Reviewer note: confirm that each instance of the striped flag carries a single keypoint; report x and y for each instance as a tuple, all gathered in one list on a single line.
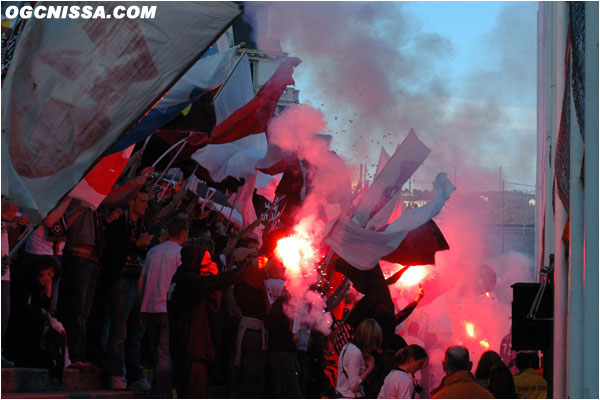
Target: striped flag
[(97, 183)]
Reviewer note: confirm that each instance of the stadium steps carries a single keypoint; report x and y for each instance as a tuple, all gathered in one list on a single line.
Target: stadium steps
[(25, 383)]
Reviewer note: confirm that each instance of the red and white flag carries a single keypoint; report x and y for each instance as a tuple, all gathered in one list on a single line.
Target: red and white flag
[(97, 183), (75, 86), (237, 158), (254, 117)]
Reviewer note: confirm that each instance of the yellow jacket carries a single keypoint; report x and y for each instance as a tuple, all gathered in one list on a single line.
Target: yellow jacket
[(530, 385)]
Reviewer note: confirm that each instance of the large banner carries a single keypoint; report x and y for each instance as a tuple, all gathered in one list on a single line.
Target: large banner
[(75, 86)]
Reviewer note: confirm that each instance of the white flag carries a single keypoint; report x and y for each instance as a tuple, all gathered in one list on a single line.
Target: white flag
[(363, 248), (409, 155), (76, 85)]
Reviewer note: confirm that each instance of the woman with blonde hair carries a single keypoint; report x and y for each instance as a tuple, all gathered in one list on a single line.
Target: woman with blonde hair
[(356, 363)]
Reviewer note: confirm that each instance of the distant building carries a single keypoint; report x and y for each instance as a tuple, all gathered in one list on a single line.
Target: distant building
[(262, 65)]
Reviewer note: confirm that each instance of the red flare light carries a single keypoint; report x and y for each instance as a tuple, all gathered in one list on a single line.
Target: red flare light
[(262, 261), (484, 344), (414, 275), (470, 329), (295, 253), (487, 294)]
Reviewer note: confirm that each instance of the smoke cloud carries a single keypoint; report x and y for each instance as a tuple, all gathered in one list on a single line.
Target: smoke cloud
[(377, 74)]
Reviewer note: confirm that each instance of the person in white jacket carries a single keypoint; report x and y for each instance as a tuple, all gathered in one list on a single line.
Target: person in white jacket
[(356, 363)]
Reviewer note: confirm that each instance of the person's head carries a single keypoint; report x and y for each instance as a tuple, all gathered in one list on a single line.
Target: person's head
[(456, 359), (194, 253), (139, 204), (411, 358), (501, 383), (487, 361), (526, 360), (196, 257), (43, 270), (368, 336), (178, 230)]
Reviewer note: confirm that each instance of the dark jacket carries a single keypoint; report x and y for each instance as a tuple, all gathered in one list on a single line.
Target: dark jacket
[(122, 258), (192, 299), (279, 326)]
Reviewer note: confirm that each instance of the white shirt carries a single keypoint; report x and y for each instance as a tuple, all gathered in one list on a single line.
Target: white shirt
[(161, 263), (38, 244), (351, 364), (397, 385)]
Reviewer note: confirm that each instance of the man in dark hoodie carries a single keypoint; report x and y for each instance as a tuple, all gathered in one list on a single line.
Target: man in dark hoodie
[(194, 295)]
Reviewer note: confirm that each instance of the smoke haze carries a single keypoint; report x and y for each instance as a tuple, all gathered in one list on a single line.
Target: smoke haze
[(376, 73)]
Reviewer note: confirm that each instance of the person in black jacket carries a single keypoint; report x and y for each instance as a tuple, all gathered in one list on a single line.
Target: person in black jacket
[(377, 302), (127, 242), (193, 296), (282, 348)]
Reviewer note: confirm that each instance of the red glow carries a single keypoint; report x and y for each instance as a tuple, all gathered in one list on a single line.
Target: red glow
[(470, 329), (296, 253), (487, 294), (484, 344), (262, 261), (414, 275)]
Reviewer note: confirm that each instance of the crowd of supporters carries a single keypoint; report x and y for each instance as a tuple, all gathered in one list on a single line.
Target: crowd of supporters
[(170, 286)]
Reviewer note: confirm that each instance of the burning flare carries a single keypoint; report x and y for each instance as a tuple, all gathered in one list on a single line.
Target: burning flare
[(470, 329), (484, 344), (414, 275), (296, 254)]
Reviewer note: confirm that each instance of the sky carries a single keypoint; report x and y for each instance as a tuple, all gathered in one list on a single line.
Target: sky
[(462, 74)]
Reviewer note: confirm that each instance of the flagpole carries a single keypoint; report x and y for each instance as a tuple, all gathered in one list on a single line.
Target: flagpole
[(168, 151), (226, 200), (146, 143), (208, 196), (183, 142), (231, 212), (229, 75)]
